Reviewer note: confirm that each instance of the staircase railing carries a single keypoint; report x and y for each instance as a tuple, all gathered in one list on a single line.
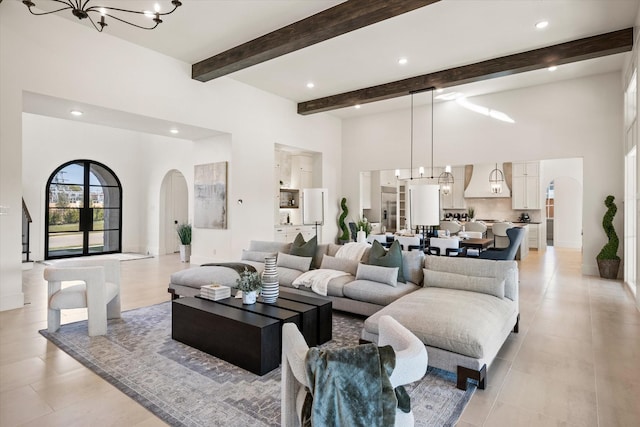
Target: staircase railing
[(26, 221)]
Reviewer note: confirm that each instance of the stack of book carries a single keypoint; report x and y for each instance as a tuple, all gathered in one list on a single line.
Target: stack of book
[(215, 292)]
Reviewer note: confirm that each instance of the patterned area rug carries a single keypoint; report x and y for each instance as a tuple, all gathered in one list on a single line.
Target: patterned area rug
[(186, 387)]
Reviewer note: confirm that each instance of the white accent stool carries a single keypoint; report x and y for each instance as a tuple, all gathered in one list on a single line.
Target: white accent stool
[(100, 292)]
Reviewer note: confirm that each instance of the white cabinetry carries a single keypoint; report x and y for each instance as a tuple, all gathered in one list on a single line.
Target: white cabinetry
[(535, 239), (301, 172), (525, 193), (455, 199), (288, 234)]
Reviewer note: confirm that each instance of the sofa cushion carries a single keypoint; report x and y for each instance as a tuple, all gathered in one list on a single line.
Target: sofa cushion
[(463, 322), (485, 285), (301, 248), (375, 273), (199, 276), (268, 246), (257, 256), (300, 263), (321, 250), (286, 276), (378, 255), (376, 293), (340, 264), (334, 288), (412, 265)]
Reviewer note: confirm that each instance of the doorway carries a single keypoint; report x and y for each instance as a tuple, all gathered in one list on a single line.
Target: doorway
[(84, 211), (564, 201), (174, 210)]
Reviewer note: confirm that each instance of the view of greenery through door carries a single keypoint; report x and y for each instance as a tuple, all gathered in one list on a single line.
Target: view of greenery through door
[(84, 211)]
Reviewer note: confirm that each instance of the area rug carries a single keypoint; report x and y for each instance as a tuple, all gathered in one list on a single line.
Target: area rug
[(186, 387)]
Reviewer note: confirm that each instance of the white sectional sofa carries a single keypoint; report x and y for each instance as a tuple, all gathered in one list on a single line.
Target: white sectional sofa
[(463, 309)]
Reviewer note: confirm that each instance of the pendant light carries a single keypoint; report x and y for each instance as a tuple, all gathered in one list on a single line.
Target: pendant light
[(496, 179), (445, 180)]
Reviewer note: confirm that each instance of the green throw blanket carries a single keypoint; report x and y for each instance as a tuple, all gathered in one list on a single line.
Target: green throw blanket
[(351, 387)]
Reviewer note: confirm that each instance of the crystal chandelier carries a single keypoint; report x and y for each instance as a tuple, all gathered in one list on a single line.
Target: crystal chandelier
[(81, 10)]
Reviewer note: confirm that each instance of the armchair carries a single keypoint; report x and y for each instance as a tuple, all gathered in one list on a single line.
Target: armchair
[(100, 292), (411, 365)]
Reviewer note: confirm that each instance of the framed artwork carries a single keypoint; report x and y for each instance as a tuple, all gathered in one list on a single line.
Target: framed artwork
[(210, 207)]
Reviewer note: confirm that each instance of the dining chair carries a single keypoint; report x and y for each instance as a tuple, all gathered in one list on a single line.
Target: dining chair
[(515, 236), (99, 291), (409, 242), (499, 230), (452, 226), (476, 226), (444, 246)]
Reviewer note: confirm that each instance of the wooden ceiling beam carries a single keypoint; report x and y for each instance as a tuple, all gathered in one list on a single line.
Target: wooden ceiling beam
[(340, 19), (564, 53)]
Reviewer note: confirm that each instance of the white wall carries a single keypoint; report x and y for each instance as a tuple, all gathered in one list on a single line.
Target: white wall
[(57, 57), (573, 118)]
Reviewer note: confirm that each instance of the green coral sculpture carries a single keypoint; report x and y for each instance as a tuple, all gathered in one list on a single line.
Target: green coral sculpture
[(342, 218), (610, 250)]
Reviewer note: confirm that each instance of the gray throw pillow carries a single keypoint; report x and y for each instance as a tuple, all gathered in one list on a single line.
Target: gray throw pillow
[(257, 256), (378, 255), (301, 248), (385, 275), (484, 285), (332, 263), (294, 262)]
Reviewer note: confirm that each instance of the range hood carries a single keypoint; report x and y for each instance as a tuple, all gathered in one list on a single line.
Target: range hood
[(479, 187)]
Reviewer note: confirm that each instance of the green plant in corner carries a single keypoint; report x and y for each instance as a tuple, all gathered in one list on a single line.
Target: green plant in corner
[(184, 233), (343, 216), (249, 281), (610, 250)]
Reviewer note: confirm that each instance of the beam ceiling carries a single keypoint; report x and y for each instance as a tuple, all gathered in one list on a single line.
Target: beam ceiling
[(340, 19), (564, 53)]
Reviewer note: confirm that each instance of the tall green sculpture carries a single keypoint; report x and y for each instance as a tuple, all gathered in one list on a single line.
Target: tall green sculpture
[(341, 219), (610, 250)]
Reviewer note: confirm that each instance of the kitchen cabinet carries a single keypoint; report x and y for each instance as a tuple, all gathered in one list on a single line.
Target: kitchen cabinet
[(287, 234), (301, 172), (289, 198), (535, 239), (525, 181)]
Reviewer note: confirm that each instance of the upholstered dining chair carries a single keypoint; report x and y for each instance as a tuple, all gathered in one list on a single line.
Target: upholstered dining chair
[(379, 237), (409, 242), (476, 226), (499, 230), (452, 226), (99, 291), (444, 246), (515, 236), (411, 365)]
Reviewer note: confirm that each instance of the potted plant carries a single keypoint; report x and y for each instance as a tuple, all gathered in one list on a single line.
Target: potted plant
[(608, 259), (471, 213), (364, 228), (249, 283), (344, 237), (184, 233)]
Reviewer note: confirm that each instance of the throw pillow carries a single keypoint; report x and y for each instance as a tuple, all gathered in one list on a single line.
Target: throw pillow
[(301, 248), (385, 275), (257, 256), (294, 262), (484, 285), (378, 255), (340, 264)]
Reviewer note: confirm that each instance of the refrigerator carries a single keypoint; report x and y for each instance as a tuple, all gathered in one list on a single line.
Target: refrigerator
[(389, 209)]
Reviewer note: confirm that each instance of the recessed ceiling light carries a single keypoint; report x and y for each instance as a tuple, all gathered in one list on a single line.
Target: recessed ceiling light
[(357, 106), (552, 68), (542, 24), (76, 113), (311, 85), (174, 131), (402, 61)]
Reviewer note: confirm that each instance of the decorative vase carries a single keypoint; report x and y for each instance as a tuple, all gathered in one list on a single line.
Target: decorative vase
[(270, 284), (249, 297), (361, 236), (185, 253), (608, 268)]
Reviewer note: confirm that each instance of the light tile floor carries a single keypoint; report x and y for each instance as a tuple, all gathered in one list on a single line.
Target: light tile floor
[(576, 360)]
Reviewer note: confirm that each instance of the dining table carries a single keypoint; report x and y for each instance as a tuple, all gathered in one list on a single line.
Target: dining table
[(480, 244)]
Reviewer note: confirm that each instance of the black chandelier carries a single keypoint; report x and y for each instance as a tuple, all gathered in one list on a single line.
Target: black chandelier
[(81, 10)]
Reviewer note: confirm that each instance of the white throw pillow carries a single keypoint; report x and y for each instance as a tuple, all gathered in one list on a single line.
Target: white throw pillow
[(340, 264), (376, 273), (483, 285), (300, 263)]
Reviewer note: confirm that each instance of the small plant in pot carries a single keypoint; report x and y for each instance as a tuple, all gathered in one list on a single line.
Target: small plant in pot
[(608, 259), (184, 234), (249, 283)]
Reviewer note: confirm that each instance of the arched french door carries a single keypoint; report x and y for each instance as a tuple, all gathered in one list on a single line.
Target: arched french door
[(84, 211)]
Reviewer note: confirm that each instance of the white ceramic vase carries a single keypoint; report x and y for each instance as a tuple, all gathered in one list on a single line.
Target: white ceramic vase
[(249, 297), (361, 236), (185, 253), (270, 283)]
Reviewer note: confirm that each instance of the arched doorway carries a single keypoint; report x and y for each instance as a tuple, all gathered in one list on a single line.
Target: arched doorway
[(174, 209), (84, 211)]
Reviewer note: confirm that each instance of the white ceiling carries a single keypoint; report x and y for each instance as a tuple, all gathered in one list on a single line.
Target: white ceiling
[(446, 34)]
